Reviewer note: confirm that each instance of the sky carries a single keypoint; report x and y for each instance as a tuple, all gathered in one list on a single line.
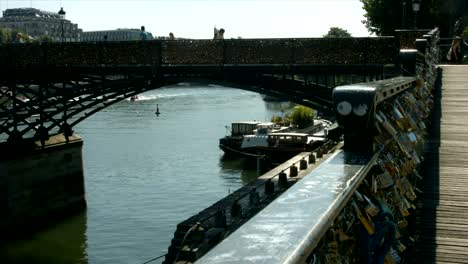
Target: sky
[(197, 18)]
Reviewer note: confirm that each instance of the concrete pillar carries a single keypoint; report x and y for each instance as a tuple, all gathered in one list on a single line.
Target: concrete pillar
[(40, 184)]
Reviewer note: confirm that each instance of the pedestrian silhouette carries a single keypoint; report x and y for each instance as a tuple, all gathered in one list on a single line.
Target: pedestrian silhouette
[(143, 33)]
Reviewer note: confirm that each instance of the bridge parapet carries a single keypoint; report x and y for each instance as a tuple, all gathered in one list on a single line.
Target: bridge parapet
[(381, 50)]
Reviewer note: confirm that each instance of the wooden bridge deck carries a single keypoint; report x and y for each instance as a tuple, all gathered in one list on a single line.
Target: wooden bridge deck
[(442, 222)]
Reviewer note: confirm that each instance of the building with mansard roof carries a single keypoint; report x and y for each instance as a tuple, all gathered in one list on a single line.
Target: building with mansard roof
[(37, 23), (120, 34)]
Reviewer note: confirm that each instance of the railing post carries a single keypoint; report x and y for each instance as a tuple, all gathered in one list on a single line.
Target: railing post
[(355, 112), (223, 61), (421, 45), (355, 109), (408, 59)]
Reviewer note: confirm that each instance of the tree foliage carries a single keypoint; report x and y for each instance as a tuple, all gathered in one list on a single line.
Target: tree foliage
[(336, 32), (5, 35), (302, 116), (383, 17), (9, 36), (44, 38)]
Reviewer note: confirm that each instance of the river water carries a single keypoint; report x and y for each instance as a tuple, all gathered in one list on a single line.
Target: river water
[(144, 174)]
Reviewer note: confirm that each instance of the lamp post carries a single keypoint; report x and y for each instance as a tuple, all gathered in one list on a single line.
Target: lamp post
[(416, 6), (403, 14), (62, 17)]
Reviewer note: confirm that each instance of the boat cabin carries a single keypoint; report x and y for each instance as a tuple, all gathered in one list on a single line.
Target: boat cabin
[(243, 128), (287, 139), (255, 128)]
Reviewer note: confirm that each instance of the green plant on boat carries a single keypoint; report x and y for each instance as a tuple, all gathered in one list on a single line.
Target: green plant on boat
[(301, 117)]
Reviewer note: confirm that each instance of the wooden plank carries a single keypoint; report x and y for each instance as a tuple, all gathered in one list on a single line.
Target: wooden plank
[(444, 240), (449, 250), (443, 218), (457, 206)]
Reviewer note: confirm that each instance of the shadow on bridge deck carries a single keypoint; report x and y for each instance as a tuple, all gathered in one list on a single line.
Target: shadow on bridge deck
[(442, 226)]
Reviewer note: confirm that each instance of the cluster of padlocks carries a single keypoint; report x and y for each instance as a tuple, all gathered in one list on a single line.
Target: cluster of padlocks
[(375, 226)]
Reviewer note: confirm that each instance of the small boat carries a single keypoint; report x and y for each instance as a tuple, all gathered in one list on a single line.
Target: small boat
[(134, 98), (254, 139), (246, 136)]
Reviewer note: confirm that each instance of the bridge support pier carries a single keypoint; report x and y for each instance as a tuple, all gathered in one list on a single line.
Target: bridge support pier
[(39, 185)]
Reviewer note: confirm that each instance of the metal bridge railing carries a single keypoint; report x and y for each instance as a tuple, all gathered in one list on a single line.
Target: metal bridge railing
[(198, 234), (381, 50)]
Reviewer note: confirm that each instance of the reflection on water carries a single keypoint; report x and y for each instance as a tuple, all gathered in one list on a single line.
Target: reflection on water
[(281, 107), (232, 167), (49, 246)]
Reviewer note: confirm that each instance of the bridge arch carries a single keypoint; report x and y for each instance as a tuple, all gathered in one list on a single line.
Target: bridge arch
[(54, 102)]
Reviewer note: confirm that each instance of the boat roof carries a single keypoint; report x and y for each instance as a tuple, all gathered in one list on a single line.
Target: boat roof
[(316, 138), (266, 124), (247, 122), (289, 134)]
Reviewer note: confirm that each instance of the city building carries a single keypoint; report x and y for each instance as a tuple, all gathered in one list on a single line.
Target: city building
[(37, 23), (120, 34)]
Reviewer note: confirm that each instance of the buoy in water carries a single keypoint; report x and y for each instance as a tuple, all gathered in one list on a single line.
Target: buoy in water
[(157, 110)]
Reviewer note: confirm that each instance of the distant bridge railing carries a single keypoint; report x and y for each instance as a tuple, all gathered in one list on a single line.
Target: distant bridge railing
[(381, 50)]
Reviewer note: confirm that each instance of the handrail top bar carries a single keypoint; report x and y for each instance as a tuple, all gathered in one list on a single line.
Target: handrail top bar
[(291, 226), (382, 88)]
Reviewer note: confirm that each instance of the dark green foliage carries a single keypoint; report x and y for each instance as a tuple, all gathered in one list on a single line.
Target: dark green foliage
[(44, 39), (5, 35), (383, 17), (336, 32), (302, 116), (9, 36)]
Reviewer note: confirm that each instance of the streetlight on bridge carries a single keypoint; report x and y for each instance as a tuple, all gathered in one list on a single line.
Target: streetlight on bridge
[(416, 7), (62, 17), (403, 14)]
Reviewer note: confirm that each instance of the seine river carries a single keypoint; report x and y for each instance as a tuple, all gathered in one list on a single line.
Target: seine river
[(144, 174)]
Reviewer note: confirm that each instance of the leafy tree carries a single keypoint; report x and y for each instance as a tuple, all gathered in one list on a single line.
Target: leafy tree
[(44, 38), (383, 17), (5, 35), (465, 33), (277, 119), (24, 37), (302, 116), (336, 32)]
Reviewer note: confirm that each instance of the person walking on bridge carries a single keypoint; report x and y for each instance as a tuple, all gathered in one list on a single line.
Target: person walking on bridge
[(457, 50), (143, 34), (218, 34), (171, 36), (221, 33)]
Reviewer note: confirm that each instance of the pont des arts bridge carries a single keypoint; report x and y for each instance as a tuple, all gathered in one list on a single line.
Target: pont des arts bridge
[(47, 88)]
